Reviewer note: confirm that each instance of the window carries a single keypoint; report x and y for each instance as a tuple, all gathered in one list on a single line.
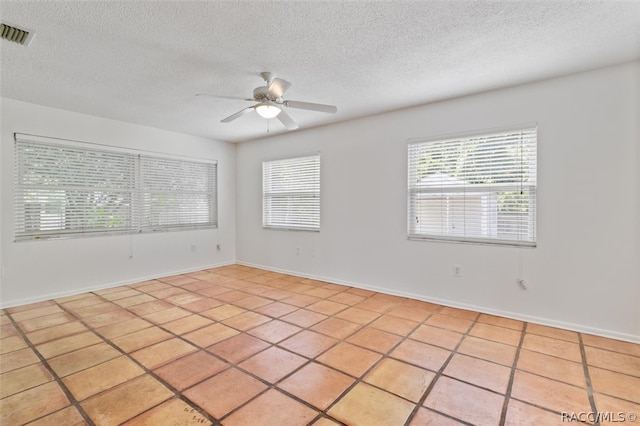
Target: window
[(479, 188), (65, 188), (291, 193), (177, 193)]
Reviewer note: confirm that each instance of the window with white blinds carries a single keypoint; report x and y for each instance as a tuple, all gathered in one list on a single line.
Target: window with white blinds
[(479, 188), (291, 193), (65, 188), (177, 193)]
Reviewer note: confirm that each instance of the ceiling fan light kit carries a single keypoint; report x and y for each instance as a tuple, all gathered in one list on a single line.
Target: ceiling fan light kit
[(270, 103), (267, 110)]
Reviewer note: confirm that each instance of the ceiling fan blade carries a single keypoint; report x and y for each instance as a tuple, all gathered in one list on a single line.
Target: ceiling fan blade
[(277, 87), (311, 106), (235, 98), (287, 120), (237, 115)]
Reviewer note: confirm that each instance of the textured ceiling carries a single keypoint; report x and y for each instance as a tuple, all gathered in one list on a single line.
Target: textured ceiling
[(143, 62)]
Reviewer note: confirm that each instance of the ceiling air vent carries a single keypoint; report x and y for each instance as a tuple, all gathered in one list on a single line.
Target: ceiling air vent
[(11, 32)]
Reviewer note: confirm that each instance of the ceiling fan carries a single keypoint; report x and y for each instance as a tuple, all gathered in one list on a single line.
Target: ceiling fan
[(271, 105)]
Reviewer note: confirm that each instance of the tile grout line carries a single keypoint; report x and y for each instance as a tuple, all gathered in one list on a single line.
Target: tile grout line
[(385, 355), (236, 365), (177, 394), (234, 286), (583, 364), (361, 326), (298, 307), (548, 409), (321, 413), (439, 374), (358, 379), (512, 374), (73, 401), (587, 376)]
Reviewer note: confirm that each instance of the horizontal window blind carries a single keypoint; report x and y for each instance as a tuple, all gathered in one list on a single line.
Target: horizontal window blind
[(474, 188), (291, 193), (177, 193), (65, 188)]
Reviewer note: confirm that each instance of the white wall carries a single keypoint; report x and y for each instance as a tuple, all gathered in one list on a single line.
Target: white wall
[(38, 270), (583, 275)]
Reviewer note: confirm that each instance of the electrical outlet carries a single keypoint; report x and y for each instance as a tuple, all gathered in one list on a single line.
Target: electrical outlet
[(457, 271)]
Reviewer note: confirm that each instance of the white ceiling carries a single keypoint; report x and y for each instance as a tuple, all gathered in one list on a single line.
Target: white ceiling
[(143, 62)]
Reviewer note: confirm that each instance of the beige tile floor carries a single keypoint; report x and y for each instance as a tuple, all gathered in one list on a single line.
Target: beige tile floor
[(242, 346)]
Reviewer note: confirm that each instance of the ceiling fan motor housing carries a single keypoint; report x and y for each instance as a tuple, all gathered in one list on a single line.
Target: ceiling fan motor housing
[(262, 94)]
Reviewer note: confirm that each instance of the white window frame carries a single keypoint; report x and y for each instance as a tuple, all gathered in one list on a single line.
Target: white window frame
[(475, 201), (88, 189), (291, 193)]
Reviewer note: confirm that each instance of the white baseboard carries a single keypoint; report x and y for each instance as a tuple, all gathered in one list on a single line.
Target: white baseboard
[(50, 296), (508, 314), (482, 309)]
